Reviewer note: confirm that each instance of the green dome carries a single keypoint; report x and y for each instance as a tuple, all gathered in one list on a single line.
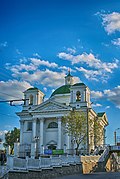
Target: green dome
[(35, 88), (79, 84), (62, 90)]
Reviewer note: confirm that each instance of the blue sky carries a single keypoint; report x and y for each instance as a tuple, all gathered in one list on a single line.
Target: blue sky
[(40, 40)]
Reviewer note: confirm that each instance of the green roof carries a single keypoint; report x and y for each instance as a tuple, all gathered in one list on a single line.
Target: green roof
[(62, 90), (101, 114), (79, 84), (35, 88)]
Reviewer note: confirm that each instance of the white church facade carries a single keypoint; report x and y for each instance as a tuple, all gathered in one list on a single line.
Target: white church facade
[(41, 124)]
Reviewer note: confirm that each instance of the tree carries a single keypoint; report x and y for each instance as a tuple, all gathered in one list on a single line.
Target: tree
[(11, 137), (96, 130), (76, 126)]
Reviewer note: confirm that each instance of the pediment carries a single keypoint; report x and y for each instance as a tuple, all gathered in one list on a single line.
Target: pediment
[(50, 106)]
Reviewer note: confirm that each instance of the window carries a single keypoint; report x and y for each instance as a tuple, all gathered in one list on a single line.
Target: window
[(78, 96), (29, 126), (31, 100), (53, 125)]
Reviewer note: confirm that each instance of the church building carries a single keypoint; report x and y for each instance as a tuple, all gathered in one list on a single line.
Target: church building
[(41, 125)]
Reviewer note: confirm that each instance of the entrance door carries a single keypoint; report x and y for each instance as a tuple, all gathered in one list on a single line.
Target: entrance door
[(52, 147)]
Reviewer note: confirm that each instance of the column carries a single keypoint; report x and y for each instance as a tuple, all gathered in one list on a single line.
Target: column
[(41, 134), (67, 139), (21, 131), (33, 149), (34, 129), (16, 149), (59, 133)]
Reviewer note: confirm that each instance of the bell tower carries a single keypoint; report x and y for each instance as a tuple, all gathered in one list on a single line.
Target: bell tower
[(80, 95), (33, 96)]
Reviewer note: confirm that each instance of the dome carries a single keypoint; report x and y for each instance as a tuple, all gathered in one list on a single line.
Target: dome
[(79, 84), (35, 88), (62, 90)]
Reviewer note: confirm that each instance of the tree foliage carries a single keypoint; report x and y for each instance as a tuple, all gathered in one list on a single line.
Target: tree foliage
[(11, 137), (76, 126), (96, 130)]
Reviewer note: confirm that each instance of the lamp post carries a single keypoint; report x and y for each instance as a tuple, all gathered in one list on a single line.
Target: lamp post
[(115, 138)]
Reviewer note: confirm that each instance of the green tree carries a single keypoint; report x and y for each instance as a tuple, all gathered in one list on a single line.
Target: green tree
[(76, 126), (96, 130), (11, 137)]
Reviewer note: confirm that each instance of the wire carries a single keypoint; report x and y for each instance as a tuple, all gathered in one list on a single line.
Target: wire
[(9, 95)]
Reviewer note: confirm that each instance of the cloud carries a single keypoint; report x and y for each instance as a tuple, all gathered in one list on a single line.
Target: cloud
[(95, 65), (107, 107), (33, 71), (36, 55), (71, 50), (13, 89), (96, 94), (96, 105), (113, 95), (38, 62), (18, 52), (2, 133), (89, 74), (90, 60), (4, 44), (111, 22), (30, 64), (116, 42), (45, 89)]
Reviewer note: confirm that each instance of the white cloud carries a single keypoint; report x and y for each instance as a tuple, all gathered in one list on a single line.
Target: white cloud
[(96, 94), (113, 95), (71, 50), (111, 22), (46, 78), (98, 68), (36, 55), (116, 42), (45, 89), (18, 52), (4, 44), (90, 60), (13, 89), (89, 74), (107, 107), (38, 62), (96, 105), (2, 133), (30, 64)]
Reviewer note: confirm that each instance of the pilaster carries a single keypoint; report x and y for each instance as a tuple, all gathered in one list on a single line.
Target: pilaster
[(59, 133)]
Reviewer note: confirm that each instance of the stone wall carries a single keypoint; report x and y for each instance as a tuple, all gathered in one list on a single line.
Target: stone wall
[(46, 173)]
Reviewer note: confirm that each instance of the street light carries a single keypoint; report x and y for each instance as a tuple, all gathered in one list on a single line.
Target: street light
[(115, 135)]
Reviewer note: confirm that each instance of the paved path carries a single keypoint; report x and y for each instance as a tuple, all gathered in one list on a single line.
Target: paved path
[(101, 175)]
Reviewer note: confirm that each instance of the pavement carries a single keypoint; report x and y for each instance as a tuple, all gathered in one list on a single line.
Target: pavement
[(100, 175)]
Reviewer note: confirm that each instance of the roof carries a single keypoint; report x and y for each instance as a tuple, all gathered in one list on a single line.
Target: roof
[(101, 114), (62, 90), (79, 84), (35, 88)]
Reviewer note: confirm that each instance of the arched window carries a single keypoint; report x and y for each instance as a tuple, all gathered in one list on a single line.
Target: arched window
[(53, 125), (78, 96), (31, 100)]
